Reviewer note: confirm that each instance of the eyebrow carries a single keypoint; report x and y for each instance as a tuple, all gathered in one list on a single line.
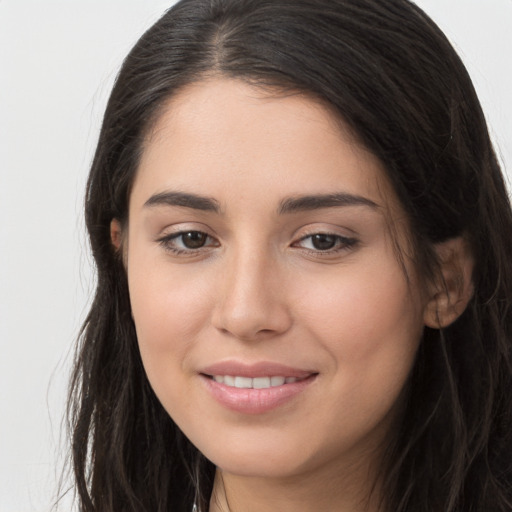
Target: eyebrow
[(316, 202), (290, 205), (185, 199)]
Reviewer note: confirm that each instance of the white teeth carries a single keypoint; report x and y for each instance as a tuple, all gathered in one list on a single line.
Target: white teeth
[(277, 381), (256, 383), (229, 381), (261, 382), (243, 382)]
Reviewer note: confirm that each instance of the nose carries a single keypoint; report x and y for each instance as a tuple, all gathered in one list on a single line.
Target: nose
[(252, 302)]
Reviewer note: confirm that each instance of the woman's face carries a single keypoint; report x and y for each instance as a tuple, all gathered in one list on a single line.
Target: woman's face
[(275, 323)]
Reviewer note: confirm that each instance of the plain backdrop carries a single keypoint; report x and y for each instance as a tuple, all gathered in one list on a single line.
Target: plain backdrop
[(58, 60)]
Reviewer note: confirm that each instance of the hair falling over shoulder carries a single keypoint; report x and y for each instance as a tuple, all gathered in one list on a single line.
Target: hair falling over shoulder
[(394, 79)]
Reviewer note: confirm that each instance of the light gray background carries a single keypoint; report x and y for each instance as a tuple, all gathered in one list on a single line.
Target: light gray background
[(58, 60)]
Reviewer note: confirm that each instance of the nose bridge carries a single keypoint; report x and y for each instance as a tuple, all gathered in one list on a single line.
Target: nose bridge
[(252, 302)]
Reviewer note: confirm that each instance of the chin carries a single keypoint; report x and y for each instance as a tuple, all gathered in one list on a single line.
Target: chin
[(259, 466), (257, 458)]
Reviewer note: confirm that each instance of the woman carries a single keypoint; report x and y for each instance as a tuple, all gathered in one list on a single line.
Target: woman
[(304, 270)]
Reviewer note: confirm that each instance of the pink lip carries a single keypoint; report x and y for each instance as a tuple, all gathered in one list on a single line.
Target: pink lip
[(260, 369), (255, 401)]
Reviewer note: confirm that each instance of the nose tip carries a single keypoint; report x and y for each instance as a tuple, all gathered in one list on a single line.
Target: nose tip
[(248, 326), (246, 332), (252, 305)]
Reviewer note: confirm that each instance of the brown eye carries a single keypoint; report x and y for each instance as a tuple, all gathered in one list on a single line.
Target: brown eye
[(193, 239), (324, 242), (327, 243), (187, 242)]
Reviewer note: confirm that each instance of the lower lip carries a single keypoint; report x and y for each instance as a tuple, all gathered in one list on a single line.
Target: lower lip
[(255, 401)]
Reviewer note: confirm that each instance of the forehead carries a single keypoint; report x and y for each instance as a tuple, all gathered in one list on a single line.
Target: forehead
[(226, 138)]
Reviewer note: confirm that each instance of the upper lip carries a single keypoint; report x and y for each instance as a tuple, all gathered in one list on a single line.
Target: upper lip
[(252, 370)]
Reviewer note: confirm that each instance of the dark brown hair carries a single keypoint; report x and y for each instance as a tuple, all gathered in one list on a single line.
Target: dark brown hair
[(392, 76)]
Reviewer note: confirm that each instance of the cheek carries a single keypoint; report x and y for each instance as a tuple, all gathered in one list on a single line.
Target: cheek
[(169, 311), (367, 319), (169, 308), (371, 326)]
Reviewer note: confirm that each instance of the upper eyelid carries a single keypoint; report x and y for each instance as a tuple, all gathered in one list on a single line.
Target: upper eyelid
[(330, 232), (351, 239), (329, 229), (184, 227)]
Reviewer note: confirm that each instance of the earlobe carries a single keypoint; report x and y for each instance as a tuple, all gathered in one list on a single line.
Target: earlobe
[(116, 234), (452, 290)]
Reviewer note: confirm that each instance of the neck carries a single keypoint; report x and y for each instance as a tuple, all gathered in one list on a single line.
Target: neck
[(351, 490)]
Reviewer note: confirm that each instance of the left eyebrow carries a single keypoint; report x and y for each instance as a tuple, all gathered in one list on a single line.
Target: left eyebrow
[(316, 202)]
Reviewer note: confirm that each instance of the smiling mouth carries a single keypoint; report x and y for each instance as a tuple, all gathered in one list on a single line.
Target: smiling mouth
[(241, 382), (258, 393)]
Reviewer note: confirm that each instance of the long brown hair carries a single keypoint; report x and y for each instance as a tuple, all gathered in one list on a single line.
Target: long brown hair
[(393, 77)]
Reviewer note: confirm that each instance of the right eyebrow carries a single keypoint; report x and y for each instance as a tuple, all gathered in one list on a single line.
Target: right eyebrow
[(184, 199)]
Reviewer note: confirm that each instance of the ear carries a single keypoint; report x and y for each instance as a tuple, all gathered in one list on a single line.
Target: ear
[(116, 234), (452, 288)]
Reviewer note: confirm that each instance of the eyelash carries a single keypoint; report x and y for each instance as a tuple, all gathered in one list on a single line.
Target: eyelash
[(167, 242), (341, 243)]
